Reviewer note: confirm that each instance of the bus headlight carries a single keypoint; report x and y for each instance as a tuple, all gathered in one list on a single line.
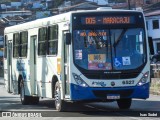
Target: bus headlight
[(79, 80), (144, 79)]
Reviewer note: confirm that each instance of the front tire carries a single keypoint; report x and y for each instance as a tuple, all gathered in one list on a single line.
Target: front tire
[(124, 103), (59, 103)]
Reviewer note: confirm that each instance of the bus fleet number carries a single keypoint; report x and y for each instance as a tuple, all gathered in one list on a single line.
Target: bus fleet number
[(128, 82)]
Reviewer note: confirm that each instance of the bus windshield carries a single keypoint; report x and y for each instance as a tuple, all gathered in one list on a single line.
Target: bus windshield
[(109, 49)]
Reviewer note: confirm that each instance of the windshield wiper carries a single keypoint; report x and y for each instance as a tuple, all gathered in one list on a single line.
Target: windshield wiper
[(119, 38)]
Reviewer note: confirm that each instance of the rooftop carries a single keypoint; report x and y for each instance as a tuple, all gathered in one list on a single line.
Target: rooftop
[(153, 13)]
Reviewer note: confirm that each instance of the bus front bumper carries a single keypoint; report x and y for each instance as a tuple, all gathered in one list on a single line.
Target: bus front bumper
[(79, 93)]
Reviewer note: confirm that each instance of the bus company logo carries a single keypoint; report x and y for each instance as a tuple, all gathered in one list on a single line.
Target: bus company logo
[(112, 83), (102, 84)]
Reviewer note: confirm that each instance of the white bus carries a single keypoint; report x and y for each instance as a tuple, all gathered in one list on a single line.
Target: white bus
[(95, 55)]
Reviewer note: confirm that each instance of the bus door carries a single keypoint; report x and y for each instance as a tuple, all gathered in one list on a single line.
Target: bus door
[(9, 64), (65, 69), (33, 79)]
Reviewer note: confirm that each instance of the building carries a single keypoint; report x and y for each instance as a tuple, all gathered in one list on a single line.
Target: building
[(7, 6), (153, 25), (79, 6), (15, 13)]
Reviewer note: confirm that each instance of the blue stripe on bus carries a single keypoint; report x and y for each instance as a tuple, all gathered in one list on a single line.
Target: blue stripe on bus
[(86, 93)]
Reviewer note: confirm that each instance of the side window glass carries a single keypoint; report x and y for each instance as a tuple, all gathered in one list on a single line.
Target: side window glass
[(42, 38), (16, 42), (23, 43), (53, 40)]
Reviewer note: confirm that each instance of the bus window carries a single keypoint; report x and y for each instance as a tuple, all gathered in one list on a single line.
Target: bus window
[(53, 40), (42, 38), (16, 42), (24, 42), (92, 49), (129, 51)]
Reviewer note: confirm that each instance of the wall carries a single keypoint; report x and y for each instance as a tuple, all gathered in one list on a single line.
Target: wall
[(154, 33)]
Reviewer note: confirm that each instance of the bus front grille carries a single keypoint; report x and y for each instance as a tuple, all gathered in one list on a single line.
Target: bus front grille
[(112, 76)]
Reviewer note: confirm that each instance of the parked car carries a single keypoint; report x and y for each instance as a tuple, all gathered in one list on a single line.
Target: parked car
[(156, 57)]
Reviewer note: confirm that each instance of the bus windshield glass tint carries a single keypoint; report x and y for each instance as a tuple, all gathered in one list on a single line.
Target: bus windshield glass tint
[(109, 49)]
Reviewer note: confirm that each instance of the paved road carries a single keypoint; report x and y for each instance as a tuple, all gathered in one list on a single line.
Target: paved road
[(10, 102)]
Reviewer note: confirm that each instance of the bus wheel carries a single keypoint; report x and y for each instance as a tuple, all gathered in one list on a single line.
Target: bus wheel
[(59, 104), (23, 97), (124, 103)]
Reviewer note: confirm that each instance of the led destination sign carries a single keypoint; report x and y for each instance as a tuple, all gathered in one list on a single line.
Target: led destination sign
[(108, 20)]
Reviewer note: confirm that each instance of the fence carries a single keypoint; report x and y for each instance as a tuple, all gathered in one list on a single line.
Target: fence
[(155, 79)]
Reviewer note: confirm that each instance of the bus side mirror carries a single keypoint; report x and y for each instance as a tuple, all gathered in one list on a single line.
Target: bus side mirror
[(68, 38), (150, 41)]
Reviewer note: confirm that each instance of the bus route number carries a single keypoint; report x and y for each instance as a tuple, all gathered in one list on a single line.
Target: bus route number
[(90, 20), (97, 57)]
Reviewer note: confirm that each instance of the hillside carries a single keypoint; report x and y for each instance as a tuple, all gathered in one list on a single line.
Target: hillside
[(4, 1)]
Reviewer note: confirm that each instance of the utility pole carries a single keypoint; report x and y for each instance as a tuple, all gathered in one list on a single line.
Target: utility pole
[(129, 5)]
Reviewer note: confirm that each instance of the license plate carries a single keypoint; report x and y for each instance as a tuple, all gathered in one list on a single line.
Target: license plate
[(113, 96)]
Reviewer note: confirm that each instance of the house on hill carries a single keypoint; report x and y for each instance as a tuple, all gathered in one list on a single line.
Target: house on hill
[(80, 6), (152, 14)]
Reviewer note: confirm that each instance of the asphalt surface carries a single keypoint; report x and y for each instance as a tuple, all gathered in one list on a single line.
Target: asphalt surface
[(101, 110)]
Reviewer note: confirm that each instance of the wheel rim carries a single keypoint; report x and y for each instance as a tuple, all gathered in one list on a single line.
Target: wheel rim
[(57, 97)]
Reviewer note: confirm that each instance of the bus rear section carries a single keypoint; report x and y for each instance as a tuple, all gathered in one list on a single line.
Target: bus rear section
[(110, 59)]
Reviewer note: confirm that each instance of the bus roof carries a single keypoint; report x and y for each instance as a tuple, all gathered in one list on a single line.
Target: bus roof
[(55, 19), (37, 23)]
